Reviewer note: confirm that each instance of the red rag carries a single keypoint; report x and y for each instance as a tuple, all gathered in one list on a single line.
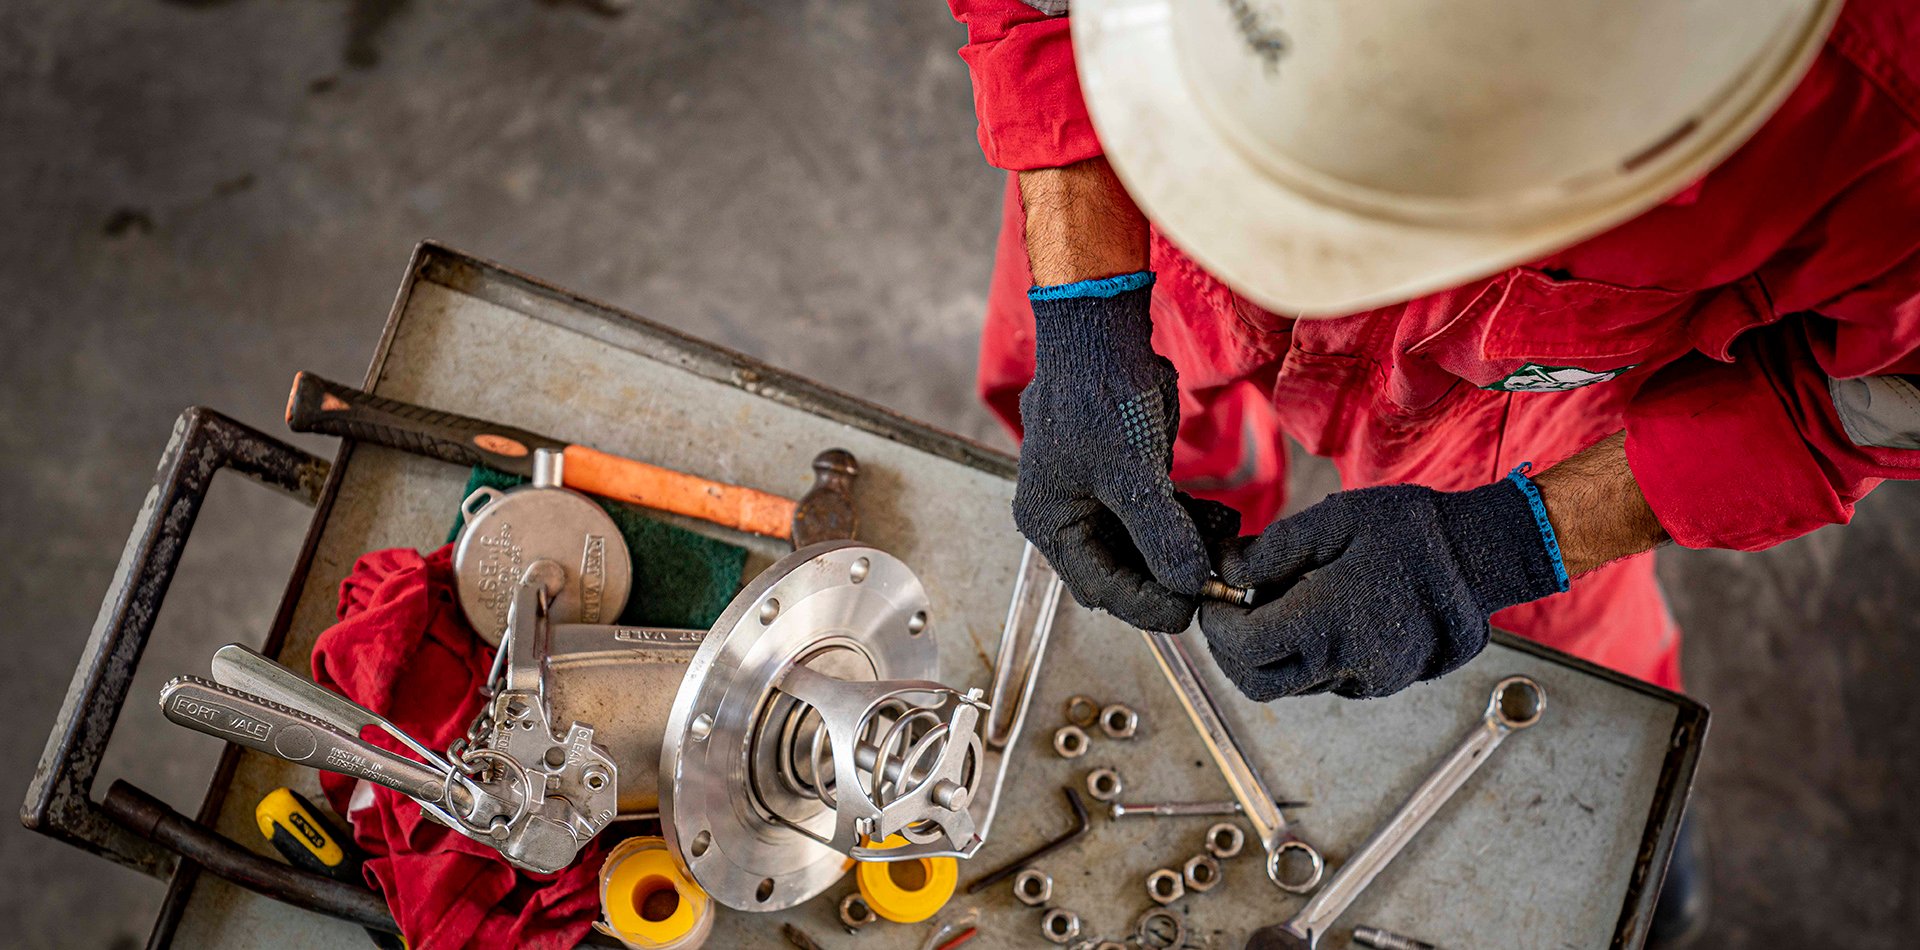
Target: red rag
[(403, 649)]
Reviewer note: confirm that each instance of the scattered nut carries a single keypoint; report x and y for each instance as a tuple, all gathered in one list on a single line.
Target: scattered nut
[(1158, 928), (854, 912), (1082, 711), (1224, 840), (1033, 887), (1165, 886), (1104, 784), (1119, 721), (1201, 873), (1070, 742), (1060, 925)]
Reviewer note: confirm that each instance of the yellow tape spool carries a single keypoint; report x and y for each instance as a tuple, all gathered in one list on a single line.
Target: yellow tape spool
[(896, 902), (648, 902)]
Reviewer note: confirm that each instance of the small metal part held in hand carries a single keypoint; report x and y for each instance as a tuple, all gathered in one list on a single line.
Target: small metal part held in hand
[(1081, 823), (1216, 589), (1248, 787), (1387, 940), (1516, 703)]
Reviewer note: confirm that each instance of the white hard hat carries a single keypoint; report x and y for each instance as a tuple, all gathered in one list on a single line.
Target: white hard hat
[(1328, 156)]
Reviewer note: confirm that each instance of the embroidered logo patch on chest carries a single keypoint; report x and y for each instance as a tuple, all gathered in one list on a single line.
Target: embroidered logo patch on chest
[(1534, 378)]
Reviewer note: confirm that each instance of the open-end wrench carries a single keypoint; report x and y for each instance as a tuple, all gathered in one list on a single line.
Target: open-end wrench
[(1516, 703), (1248, 788)]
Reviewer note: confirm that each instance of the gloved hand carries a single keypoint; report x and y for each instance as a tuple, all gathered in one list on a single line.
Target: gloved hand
[(1370, 590), (1094, 494)]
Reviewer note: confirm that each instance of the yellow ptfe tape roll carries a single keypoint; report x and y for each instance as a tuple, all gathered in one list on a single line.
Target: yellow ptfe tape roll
[(907, 892), (648, 903)]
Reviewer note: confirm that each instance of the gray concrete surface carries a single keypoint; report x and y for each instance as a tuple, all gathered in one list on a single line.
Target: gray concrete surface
[(199, 197)]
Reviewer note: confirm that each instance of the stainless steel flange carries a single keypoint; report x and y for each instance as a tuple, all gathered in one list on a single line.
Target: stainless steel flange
[(752, 795)]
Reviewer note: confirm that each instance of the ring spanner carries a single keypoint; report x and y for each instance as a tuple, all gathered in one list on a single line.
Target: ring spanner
[(1516, 704)]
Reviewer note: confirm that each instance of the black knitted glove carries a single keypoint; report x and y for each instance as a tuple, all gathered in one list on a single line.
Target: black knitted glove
[(1370, 590), (1094, 494)]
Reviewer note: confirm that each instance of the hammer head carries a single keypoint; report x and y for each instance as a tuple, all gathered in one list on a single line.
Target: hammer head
[(825, 512)]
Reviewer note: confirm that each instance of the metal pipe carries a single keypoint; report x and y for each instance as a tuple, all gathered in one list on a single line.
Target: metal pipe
[(156, 821)]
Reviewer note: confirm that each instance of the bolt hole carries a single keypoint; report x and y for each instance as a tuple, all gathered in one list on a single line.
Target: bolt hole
[(556, 757), (765, 890), (769, 610), (859, 570), (917, 624), (701, 842), (701, 727)]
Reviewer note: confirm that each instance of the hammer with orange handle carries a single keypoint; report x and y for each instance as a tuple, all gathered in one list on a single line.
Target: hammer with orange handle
[(824, 513)]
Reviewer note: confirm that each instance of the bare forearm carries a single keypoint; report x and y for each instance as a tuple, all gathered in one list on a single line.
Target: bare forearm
[(1597, 510), (1080, 224)]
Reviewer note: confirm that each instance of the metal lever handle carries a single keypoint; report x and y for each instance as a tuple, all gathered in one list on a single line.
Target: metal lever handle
[(1247, 786), (284, 733), (1516, 703), (242, 668), (1016, 670)]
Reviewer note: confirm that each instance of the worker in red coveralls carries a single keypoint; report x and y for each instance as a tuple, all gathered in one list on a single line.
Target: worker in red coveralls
[(1550, 283)]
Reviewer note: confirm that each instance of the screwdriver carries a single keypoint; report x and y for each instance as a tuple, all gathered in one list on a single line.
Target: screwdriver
[(310, 842)]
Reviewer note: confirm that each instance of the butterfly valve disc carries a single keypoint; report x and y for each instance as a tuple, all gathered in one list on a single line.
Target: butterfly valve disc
[(808, 726)]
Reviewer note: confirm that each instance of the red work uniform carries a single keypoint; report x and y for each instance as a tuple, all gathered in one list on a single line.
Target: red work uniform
[(1711, 328)]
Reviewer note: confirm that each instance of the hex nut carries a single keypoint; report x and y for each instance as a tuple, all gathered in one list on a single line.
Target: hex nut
[(1119, 721), (1070, 742), (1060, 925), (1082, 711), (1225, 839), (1104, 784), (1201, 873), (1033, 887), (854, 911), (1165, 886)]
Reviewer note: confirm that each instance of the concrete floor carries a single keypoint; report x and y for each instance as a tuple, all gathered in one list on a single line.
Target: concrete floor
[(203, 196)]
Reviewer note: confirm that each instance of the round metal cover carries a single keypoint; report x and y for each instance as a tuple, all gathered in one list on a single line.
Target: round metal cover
[(838, 607), (508, 531)]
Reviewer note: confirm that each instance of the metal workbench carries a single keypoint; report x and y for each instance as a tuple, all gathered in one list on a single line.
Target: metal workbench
[(1558, 842)]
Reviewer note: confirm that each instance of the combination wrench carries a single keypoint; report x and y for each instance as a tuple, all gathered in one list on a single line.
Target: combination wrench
[(1248, 788), (1516, 703)]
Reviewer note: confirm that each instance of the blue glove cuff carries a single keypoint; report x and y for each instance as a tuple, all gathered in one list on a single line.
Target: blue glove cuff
[(1521, 480), (1099, 287)]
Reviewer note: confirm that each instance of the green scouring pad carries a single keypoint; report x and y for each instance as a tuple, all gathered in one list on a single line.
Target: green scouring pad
[(680, 579)]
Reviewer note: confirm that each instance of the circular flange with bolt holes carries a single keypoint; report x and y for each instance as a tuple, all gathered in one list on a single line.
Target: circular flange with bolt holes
[(839, 608)]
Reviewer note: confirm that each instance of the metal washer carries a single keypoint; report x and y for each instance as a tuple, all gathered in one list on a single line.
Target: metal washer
[(838, 604), (507, 531)]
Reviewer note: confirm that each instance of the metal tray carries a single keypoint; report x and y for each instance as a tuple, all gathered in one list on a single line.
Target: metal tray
[(1559, 841)]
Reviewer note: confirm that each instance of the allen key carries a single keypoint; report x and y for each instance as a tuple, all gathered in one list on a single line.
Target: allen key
[(1081, 822)]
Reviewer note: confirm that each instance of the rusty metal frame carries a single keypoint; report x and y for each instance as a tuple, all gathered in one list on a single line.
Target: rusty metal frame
[(204, 442)]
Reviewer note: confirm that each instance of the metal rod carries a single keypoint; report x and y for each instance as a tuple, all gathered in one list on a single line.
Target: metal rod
[(154, 820)]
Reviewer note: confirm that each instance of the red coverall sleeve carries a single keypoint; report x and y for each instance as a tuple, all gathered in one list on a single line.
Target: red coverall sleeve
[(1025, 91), (1748, 453)]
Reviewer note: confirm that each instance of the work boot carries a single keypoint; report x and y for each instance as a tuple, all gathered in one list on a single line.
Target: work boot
[(1680, 914)]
